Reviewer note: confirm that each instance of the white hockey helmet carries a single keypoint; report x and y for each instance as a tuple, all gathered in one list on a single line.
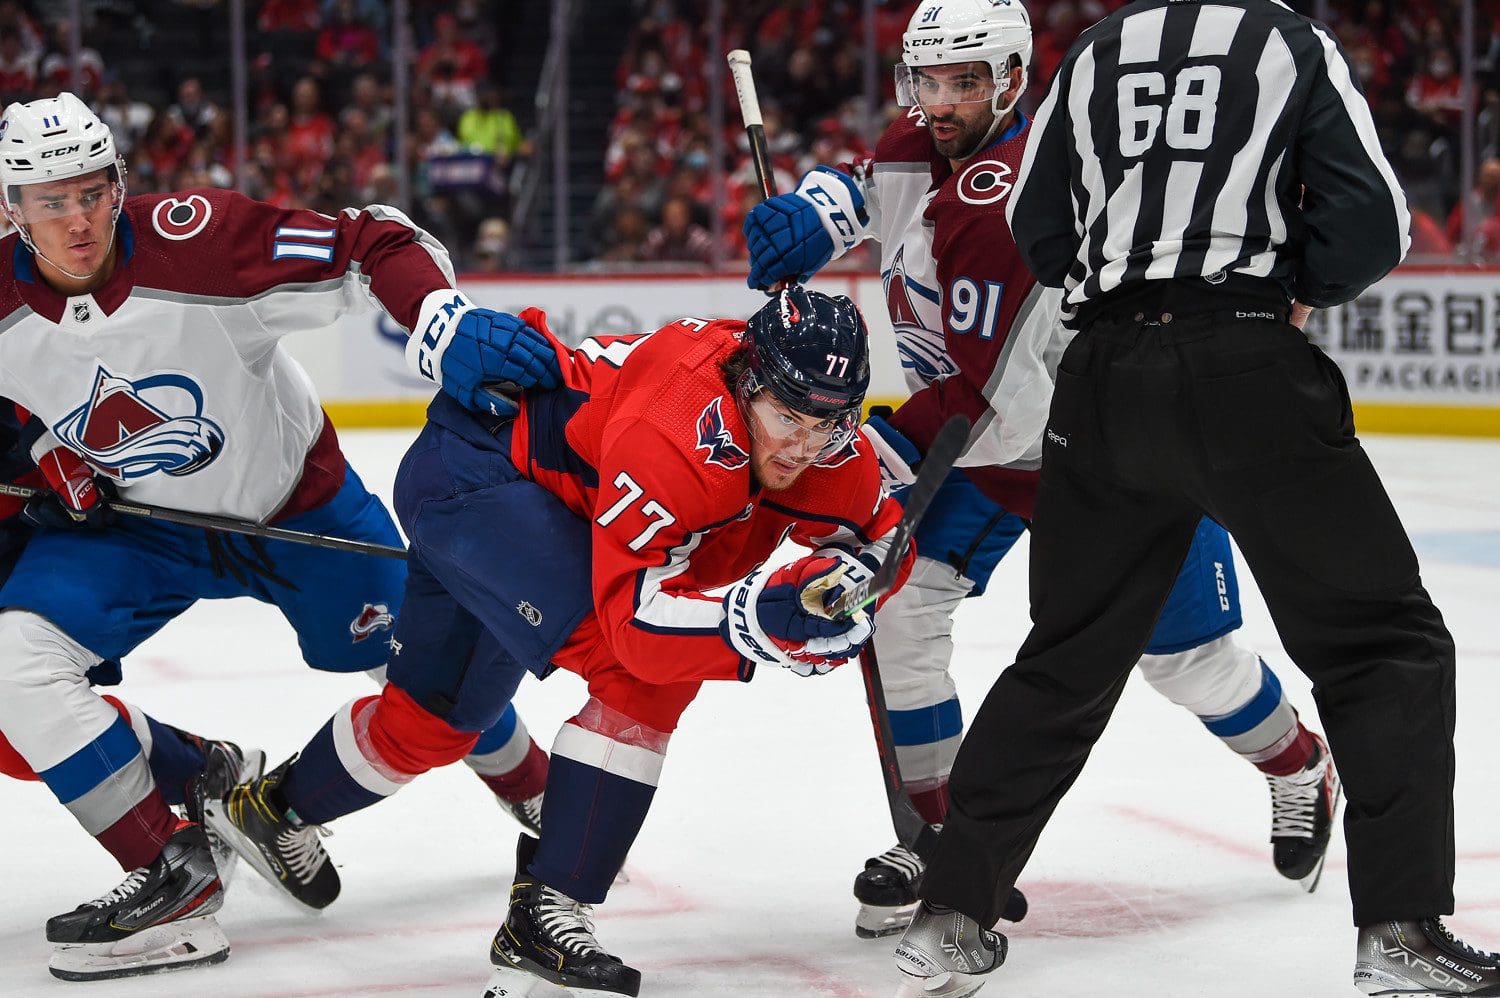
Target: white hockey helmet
[(952, 32), (54, 139)]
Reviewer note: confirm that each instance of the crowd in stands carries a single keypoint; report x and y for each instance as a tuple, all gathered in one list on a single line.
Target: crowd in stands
[(321, 129), (808, 63)]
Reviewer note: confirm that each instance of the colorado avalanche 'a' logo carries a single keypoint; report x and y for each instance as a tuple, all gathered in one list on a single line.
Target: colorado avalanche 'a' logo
[(374, 617), (921, 350), (131, 429), (714, 437)]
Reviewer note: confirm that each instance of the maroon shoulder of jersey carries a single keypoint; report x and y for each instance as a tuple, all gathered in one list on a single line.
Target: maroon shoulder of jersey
[(10, 295), (220, 243), (906, 140)]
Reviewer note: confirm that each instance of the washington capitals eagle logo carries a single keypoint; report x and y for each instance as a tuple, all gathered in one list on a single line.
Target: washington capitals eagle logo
[(131, 429), (714, 437)]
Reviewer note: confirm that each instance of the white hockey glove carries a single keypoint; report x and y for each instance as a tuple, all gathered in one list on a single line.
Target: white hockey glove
[(781, 617)]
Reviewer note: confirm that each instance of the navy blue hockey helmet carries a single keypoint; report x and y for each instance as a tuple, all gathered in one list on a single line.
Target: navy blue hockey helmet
[(811, 351)]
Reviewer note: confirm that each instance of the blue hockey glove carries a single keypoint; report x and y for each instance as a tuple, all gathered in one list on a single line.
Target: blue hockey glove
[(465, 348), (792, 236), (782, 617), (897, 455)]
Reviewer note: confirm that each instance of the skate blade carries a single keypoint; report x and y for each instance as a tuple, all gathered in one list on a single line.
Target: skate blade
[(1310, 882), (188, 942), (225, 858), (874, 921), (218, 821), (512, 982), (948, 985)]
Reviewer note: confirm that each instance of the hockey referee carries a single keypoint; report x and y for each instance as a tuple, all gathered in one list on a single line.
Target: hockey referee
[(1199, 175)]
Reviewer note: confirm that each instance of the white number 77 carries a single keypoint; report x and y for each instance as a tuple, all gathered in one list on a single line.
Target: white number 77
[(651, 508), (838, 365)]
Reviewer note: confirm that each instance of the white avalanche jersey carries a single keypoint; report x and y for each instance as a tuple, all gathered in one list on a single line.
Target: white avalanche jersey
[(171, 380), (976, 334)]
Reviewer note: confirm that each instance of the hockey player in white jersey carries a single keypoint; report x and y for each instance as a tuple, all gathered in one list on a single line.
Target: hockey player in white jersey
[(977, 335), (141, 340)]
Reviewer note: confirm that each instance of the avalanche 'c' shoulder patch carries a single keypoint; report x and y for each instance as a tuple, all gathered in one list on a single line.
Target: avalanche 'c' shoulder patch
[(182, 218)]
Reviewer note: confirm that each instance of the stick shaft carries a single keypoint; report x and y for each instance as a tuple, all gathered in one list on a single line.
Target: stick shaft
[(227, 524)]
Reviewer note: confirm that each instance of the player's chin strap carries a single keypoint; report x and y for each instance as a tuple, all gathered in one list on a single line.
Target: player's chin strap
[(24, 232)]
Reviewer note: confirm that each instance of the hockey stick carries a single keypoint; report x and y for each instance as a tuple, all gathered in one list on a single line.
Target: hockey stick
[(912, 829), (227, 524), (755, 128)]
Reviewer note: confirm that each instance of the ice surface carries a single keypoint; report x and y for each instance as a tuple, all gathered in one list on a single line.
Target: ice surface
[(1154, 879)]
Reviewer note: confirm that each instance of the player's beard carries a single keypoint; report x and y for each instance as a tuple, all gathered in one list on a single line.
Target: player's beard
[(971, 135)]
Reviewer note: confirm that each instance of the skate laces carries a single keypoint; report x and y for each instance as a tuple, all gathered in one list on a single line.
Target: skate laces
[(570, 923), (1473, 952), (128, 887), (301, 851), (900, 859), (1294, 800)]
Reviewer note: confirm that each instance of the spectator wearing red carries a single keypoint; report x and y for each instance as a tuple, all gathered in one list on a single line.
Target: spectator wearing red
[(1435, 92), (347, 41), (289, 16), (57, 66), (1481, 203), (309, 134), (17, 66), (451, 65)]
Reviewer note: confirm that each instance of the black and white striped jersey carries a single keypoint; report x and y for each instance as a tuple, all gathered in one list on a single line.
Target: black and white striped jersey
[(1198, 138)]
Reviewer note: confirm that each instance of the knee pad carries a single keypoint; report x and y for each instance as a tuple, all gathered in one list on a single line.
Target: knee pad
[(406, 737), (614, 742), (656, 706), (1210, 680), (914, 636), (42, 681)]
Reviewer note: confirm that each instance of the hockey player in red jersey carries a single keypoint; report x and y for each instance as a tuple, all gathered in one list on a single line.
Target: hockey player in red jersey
[(977, 335), (618, 528), (142, 340)]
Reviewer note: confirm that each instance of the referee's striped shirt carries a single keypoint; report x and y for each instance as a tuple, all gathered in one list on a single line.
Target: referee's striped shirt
[(1176, 141)]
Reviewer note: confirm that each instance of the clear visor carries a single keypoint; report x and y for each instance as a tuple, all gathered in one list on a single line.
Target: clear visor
[(918, 86), (38, 202), (793, 436)]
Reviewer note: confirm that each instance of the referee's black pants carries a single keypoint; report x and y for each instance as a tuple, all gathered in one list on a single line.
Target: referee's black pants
[(1154, 424)]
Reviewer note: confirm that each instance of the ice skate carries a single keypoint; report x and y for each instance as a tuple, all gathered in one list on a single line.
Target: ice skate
[(227, 764), (275, 843), (1422, 960), (527, 812), (945, 954), (160, 918), (1303, 806), (886, 890), (887, 893), (548, 938)]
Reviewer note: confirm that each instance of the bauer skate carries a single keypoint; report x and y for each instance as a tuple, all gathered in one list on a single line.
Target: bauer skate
[(886, 890), (1303, 806), (159, 919), (549, 937), (1422, 960), (277, 845), (945, 954)]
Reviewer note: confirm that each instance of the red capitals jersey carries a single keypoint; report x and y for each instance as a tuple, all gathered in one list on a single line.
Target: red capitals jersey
[(977, 335), (646, 441)]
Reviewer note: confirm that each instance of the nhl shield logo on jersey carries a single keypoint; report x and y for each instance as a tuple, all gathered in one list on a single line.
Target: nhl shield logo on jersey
[(182, 219), (532, 614), (130, 429), (714, 437), (374, 617)]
